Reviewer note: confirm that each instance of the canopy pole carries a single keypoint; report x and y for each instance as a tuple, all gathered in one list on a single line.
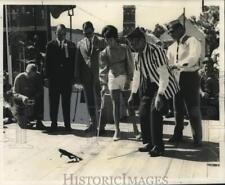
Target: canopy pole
[(71, 14), (9, 58), (184, 18)]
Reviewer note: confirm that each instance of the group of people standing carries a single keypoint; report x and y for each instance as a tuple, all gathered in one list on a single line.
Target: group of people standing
[(106, 65)]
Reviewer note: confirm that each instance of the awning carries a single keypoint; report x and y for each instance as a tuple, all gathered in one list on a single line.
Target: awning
[(56, 10)]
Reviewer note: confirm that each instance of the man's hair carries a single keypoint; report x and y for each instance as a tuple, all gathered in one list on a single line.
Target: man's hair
[(110, 31), (31, 68), (87, 24), (136, 33), (175, 25), (61, 26)]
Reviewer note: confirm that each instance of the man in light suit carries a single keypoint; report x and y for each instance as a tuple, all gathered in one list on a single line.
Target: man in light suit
[(184, 55), (60, 60), (87, 71)]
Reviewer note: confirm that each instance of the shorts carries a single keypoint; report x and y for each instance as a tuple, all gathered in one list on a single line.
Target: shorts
[(117, 82)]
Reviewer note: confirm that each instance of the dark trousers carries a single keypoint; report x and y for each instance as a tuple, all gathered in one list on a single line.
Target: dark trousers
[(92, 92), (188, 97), (57, 88), (151, 120), (39, 107)]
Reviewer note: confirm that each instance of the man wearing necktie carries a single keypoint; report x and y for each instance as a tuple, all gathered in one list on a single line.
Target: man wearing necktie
[(156, 84), (87, 71), (60, 60), (184, 55)]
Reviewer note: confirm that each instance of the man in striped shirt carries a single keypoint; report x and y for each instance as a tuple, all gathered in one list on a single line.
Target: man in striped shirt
[(156, 84)]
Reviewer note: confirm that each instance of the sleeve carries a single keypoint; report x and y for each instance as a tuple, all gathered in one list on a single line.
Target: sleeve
[(135, 81), (77, 64), (136, 77), (86, 58), (170, 56), (102, 44), (130, 63), (162, 69), (171, 62), (193, 54), (163, 79), (18, 98), (73, 60), (104, 69), (48, 61)]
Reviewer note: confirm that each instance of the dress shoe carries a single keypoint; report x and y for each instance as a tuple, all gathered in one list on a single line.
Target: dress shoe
[(53, 128), (25, 125), (146, 148), (157, 151), (197, 143), (22, 125), (29, 125), (68, 128), (39, 125), (176, 138)]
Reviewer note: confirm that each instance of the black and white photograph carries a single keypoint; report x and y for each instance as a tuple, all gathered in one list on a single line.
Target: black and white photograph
[(121, 92)]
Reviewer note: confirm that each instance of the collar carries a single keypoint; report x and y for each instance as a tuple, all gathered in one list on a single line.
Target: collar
[(138, 55), (181, 39), (145, 48), (58, 41), (92, 38), (26, 74)]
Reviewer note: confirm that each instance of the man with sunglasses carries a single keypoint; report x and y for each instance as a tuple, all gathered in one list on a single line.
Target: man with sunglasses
[(87, 71)]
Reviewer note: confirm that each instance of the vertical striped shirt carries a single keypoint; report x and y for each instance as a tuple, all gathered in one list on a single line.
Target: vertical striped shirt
[(152, 63)]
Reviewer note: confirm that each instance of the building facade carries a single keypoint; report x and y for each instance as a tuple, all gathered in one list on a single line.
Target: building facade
[(128, 18)]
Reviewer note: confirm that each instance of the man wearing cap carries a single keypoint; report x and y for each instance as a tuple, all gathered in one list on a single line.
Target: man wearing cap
[(28, 97), (87, 71), (60, 60), (156, 84), (184, 55)]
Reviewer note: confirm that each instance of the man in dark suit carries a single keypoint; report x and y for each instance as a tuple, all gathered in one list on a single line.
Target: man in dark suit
[(87, 71), (60, 60)]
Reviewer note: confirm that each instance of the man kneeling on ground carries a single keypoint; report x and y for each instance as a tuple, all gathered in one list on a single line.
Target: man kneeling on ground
[(28, 97)]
